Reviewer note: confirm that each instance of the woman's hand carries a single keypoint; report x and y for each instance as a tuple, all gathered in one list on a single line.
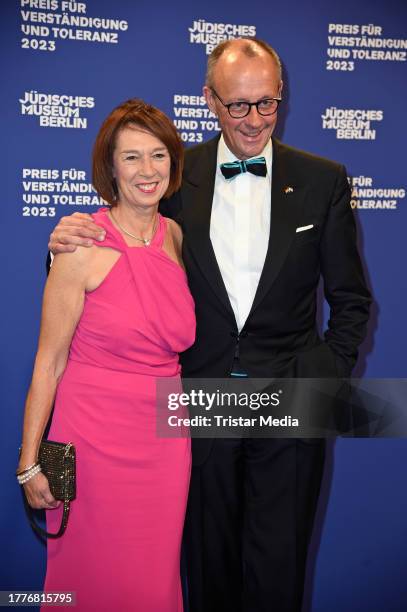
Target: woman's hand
[(38, 493)]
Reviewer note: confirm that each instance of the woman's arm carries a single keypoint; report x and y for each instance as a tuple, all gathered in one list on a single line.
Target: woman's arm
[(62, 307)]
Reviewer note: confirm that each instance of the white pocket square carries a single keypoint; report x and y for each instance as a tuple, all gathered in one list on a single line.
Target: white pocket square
[(304, 228)]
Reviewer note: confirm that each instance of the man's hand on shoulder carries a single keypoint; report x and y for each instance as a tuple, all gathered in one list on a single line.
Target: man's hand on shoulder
[(74, 230)]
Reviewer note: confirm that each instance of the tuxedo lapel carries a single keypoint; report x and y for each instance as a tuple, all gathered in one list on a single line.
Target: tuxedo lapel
[(287, 199), (197, 196)]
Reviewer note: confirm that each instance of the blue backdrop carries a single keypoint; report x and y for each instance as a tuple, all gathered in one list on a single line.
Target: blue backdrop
[(65, 65)]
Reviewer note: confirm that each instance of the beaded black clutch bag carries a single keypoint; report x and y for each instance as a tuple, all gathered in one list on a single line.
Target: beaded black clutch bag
[(58, 463)]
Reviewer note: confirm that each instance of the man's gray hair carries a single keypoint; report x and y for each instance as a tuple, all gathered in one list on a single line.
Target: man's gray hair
[(252, 47)]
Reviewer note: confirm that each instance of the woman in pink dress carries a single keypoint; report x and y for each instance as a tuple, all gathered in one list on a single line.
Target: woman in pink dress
[(115, 317)]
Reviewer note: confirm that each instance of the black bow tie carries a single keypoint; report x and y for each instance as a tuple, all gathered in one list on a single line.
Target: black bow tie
[(256, 166)]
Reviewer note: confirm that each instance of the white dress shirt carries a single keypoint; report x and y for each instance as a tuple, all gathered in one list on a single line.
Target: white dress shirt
[(240, 229)]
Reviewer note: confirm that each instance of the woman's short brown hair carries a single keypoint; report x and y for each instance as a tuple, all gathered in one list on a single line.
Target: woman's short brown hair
[(137, 113)]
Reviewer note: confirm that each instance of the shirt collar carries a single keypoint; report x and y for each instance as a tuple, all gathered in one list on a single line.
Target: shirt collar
[(225, 155)]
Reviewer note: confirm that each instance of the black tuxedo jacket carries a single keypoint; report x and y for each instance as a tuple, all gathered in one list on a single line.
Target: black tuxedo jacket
[(280, 337)]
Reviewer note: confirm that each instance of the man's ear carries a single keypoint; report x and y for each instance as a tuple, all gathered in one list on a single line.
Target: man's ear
[(280, 89), (210, 99)]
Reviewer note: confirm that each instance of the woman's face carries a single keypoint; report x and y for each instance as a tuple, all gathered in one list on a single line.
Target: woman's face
[(141, 167)]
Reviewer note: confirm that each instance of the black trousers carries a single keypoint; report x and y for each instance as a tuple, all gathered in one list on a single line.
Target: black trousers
[(249, 520)]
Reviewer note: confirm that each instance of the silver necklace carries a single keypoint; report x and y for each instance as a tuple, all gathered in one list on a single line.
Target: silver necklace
[(145, 241)]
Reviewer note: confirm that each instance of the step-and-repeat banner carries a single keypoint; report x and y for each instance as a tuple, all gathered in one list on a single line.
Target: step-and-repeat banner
[(65, 65)]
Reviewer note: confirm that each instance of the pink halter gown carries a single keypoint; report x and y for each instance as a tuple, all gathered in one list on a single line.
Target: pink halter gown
[(121, 550)]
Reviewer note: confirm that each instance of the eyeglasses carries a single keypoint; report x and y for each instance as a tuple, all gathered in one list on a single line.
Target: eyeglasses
[(238, 110)]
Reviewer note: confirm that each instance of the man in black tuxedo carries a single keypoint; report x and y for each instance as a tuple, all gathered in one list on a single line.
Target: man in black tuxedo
[(262, 222)]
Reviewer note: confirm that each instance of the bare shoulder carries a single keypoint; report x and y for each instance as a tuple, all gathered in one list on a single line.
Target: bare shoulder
[(173, 242), (75, 265), (175, 231)]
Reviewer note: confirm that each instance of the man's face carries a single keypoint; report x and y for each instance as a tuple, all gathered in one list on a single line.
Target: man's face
[(237, 77)]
